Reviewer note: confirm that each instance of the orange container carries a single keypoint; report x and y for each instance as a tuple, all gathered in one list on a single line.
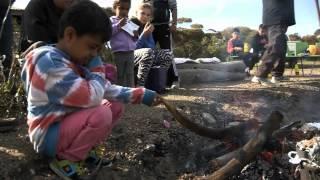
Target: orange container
[(313, 49), (318, 50)]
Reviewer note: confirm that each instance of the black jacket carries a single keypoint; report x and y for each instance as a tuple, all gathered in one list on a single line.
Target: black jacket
[(40, 21), (276, 12), (5, 3), (258, 43)]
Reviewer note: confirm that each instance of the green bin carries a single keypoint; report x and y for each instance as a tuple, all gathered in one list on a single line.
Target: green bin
[(296, 47)]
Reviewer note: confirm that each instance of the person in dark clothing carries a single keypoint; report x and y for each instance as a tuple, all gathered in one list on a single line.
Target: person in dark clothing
[(40, 21), (258, 45), (163, 29), (6, 37), (277, 16)]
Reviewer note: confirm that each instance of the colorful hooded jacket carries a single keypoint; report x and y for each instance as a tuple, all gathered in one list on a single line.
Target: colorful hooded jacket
[(55, 87)]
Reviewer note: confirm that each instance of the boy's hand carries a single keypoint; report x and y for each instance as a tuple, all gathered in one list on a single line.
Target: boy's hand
[(122, 22), (156, 100), (238, 48)]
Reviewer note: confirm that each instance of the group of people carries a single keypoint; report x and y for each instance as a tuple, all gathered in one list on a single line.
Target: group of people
[(72, 106), (258, 44), (139, 49), (269, 45)]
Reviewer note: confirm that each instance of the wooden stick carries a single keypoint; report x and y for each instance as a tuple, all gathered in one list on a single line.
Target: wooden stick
[(280, 133), (249, 150), (214, 133)]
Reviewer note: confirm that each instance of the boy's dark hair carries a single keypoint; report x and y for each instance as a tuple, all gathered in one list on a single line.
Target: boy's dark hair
[(86, 17), (117, 3), (261, 26), (236, 30)]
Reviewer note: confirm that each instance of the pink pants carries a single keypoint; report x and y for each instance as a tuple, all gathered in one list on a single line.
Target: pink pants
[(80, 131)]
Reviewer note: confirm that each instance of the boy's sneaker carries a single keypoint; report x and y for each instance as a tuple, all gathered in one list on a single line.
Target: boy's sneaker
[(274, 80), (262, 81), (175, 84), (95, 159), (66, 169)]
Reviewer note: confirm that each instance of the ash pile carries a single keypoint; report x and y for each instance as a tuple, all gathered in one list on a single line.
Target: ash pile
[(295, 157)]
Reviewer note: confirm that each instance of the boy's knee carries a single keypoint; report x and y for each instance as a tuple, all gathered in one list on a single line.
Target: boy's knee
[(117, 109), (101, 118)]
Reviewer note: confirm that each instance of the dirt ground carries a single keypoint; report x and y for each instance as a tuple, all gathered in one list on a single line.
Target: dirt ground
[(142, 147)]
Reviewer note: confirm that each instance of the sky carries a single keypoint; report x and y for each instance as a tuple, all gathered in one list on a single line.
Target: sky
[(220, 14)]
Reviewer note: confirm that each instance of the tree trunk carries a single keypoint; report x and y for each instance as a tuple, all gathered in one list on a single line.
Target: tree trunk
[(196, 76), (234, 66)]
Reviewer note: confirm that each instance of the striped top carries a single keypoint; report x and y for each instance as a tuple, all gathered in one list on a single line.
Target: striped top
[(55, 86)]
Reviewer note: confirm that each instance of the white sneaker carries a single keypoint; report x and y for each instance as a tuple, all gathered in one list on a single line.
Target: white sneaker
[(255, 79), (175, 85), (262, 81), (247, 71), (274, 80)]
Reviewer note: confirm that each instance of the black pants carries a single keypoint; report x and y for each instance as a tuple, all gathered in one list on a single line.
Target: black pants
[(251, 59), (162, 35), (6, 40), (273, 59)]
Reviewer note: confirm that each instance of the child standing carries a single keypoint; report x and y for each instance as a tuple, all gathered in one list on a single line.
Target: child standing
[(68, 110), (122, 43)]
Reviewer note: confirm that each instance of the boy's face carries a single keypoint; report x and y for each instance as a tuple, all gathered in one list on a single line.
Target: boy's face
[(262, 31), (82, 48), (122, 10), (236, 35), (144, 15)]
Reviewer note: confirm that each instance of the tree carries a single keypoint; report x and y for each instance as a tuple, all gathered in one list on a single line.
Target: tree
[(196, 26), (317, 32), (184, 20), (194, 43), (187, 43), (310, 39), (294, 37)]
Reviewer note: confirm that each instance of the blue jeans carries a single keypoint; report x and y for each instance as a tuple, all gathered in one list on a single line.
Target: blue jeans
[(6, 40)]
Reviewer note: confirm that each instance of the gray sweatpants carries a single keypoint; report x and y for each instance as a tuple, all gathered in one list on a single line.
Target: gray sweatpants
[(125, 68), (273, 59)]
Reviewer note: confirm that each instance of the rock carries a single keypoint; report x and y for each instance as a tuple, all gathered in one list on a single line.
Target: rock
[(32, 172), (150, 147), (234, 123), (209, 118), (166, 124), (139, 141), (196, 76)]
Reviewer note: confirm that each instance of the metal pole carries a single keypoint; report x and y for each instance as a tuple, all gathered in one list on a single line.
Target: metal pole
[(318, 10)]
